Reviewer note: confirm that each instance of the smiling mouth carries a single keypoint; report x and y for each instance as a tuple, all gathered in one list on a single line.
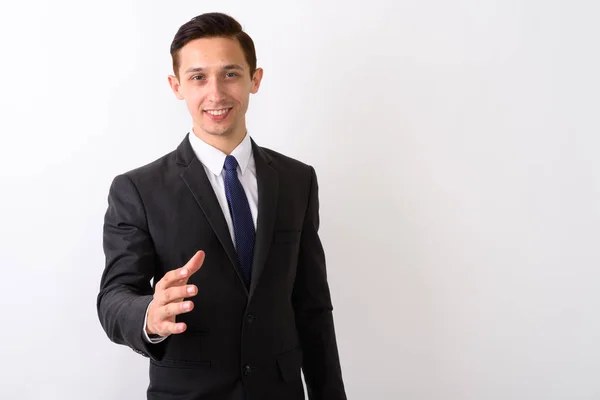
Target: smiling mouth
[(218, 113)]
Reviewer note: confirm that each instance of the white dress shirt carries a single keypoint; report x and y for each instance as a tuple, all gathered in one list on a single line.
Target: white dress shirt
[(212, 160)]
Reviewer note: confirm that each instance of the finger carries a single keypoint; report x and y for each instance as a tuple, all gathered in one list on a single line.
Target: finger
[(192, 265), (176, 294), (173, 309), (169, 328), (178, 276)]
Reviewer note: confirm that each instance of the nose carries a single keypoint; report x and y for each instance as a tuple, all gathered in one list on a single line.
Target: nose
[(216, 92)]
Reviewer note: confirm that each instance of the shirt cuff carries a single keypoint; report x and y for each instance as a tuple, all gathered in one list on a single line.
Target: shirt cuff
[(155, 338)]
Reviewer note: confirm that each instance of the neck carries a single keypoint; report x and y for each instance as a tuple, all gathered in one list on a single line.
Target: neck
[(225, 143)]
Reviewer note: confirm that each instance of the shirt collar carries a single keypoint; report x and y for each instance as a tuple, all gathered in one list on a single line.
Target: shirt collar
[(214, 159)]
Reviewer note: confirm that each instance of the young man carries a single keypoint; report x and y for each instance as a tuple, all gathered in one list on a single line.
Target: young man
[(227, 230)]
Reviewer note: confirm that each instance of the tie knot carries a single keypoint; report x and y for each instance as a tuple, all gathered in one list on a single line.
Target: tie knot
[(231, 163)]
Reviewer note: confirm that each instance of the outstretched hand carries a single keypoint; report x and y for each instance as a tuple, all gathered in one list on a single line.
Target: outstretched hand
[(169, 295)]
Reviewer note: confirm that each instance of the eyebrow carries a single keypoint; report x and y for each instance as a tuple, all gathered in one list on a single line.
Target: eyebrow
[(227, 67)]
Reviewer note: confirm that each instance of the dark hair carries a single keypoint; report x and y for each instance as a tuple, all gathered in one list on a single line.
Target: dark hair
[(213, 25)]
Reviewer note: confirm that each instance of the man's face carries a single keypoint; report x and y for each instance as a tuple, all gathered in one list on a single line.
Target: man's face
[(214, 80)]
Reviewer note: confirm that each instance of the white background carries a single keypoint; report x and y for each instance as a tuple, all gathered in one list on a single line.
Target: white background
[(456, 145)]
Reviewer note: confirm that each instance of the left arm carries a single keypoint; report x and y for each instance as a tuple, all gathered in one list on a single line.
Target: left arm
[(312, 304)]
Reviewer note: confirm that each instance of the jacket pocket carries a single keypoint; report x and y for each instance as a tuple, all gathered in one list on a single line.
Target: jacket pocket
[(191, 331), (290, 364), (185, 364)]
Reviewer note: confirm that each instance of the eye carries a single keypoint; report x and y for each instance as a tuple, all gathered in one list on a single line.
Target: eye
[(231, 74), (197, 77)]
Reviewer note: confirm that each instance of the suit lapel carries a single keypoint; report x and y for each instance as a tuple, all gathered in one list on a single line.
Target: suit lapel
[(268, 190), (196, 180)]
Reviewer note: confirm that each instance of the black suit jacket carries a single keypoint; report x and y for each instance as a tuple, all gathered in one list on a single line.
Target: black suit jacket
[(240, 343)]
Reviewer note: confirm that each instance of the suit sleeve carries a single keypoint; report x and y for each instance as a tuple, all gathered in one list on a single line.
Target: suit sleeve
[(313, 309), (125, 290)]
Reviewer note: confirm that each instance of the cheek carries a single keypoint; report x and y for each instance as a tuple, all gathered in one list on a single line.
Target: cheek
[(245, 100), (239, 92), (194, 101), (241, 97)]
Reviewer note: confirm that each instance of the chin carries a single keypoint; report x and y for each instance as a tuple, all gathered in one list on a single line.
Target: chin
[(218, 132)]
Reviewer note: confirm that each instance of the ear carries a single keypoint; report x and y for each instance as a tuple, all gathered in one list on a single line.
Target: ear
[(175, 86), (256, 79)]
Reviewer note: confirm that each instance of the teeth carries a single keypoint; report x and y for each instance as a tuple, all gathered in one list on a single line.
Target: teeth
[(217, 112)]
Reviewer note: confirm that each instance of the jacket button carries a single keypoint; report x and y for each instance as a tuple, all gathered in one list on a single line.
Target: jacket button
[(247, 370), (250, 318)]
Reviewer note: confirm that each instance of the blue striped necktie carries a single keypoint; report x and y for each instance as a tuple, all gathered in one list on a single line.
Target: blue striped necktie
[(243, 224)]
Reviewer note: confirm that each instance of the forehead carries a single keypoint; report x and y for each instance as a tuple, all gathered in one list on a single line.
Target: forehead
[(211, 52)]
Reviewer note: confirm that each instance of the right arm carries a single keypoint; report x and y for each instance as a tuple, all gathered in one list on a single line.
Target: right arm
[(125, 290), (128, 308)]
